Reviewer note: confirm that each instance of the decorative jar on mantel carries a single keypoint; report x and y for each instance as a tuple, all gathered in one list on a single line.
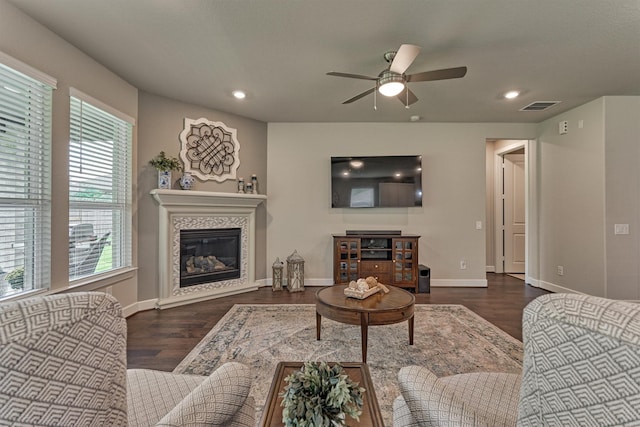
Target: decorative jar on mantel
[(164, 180), (187, 180)]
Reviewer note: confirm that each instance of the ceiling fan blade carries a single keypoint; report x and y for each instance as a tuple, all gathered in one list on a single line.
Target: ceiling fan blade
[(446, 73), (362, 95), (351, 76), (404, 58), (402, 96)]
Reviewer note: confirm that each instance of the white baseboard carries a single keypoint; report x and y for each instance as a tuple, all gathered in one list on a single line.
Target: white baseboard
[(150, 304), (441, 283), (552, 287), (458, 283), (307, 282), (132, 309), (491, 268)]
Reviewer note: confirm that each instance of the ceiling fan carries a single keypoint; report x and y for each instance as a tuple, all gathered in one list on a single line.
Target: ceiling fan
[(392, 81)]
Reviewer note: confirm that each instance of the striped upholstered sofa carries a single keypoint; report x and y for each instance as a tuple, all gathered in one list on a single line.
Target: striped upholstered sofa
[(63, 363), (581, 368)]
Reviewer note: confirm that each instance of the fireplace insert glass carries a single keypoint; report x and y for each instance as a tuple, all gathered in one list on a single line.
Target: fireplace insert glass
[(208, 256)]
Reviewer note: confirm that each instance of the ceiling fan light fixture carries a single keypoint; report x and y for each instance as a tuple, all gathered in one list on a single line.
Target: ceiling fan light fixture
[(390, 83)]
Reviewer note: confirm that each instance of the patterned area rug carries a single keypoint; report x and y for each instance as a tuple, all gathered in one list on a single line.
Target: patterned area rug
[(448, 339)]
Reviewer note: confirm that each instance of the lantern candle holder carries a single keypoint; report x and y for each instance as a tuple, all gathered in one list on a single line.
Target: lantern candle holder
[(276, 281), (295, 272)]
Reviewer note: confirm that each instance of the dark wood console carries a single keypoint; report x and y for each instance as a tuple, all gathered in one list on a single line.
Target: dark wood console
[(391, 258)]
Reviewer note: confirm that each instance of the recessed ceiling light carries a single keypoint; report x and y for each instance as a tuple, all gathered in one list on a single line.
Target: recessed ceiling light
[(512, 94), (238, 94)]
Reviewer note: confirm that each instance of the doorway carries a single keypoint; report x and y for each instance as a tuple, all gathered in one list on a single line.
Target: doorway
[(508, 206)]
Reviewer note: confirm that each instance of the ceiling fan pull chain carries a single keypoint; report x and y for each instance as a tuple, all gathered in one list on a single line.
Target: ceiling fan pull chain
[(407, 104), (375, 99)]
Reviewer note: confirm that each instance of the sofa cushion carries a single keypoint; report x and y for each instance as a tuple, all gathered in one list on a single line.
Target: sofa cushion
[(215, 401), (152, 394), (476, 399), (63, 361), (582, 362)]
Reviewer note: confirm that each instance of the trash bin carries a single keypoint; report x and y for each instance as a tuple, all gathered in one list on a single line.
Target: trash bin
[(424, 279)]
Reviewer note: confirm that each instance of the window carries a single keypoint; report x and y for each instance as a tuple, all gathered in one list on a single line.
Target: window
[(99, 188), (25, 177)]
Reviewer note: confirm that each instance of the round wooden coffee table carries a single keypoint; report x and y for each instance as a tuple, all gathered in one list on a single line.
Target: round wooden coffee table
[(378, 309)]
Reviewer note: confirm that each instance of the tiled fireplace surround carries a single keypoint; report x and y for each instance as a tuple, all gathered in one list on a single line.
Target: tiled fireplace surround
[(196, 210)]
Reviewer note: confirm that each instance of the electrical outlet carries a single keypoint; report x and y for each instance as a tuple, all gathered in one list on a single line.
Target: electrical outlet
[(560, 270), (463, 264), (478, 225)]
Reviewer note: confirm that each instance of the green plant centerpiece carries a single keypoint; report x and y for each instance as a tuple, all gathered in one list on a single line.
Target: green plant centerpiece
[(319, 395), (163, 163), (16, 278)]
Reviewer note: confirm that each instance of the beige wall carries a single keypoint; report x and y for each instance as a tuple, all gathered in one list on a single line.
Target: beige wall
[(622, 185), (585, 182), (26, 40), (454, 167), (572, 200), (161, 121), (588, 181)]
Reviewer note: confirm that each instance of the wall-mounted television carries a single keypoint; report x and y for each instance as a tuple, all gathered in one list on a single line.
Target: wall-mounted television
[(376, 181)]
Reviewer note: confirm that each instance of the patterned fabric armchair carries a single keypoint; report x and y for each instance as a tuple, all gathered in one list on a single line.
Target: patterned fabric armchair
[(581, 368), (63, 363)]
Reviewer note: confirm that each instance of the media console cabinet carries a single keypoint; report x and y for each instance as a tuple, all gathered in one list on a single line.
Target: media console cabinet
[(391, 258)]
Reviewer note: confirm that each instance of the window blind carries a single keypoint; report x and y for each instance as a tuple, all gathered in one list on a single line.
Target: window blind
[(25, 180), (99, 190)]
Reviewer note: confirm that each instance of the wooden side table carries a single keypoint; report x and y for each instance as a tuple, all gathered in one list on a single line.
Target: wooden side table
[(358, 372)]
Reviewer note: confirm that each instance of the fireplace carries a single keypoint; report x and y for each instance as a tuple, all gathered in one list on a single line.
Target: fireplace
[(209, 255), (197, 211)]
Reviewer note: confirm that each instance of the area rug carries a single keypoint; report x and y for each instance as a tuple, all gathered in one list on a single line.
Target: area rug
[(448, 339)]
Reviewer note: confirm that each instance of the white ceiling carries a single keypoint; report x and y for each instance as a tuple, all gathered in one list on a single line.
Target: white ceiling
[(278, 51)]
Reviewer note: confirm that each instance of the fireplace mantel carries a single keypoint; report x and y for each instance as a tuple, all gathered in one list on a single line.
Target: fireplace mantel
[(188, 209), (206, 198)]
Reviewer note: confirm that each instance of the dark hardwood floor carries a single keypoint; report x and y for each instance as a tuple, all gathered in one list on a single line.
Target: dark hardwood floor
[(160, 339)]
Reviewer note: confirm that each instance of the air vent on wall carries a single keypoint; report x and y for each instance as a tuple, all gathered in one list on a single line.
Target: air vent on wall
[(539, 105)]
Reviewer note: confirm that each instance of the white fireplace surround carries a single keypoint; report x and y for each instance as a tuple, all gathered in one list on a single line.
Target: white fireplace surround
[(196, 210)]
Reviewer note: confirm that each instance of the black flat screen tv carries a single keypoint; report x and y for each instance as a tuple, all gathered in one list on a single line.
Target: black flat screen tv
[(376, 181)]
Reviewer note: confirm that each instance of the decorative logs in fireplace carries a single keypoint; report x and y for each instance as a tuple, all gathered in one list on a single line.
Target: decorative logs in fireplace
[(210, 255)]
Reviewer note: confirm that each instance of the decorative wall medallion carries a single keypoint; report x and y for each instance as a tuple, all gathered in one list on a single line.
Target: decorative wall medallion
[(209, 150)]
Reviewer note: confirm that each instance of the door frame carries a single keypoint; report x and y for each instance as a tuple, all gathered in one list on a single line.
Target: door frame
[(531, 217)]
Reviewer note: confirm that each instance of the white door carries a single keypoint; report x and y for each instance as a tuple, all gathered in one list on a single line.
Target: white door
[(514, 213)]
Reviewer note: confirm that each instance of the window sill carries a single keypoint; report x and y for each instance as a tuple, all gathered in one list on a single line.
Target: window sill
[(99, 281)]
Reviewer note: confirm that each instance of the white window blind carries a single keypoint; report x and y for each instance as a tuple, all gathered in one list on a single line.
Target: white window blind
[(99, 190), (25, 179)]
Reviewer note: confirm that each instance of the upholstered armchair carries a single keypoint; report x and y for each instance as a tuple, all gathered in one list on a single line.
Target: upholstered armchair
[(63, 363), (581, 368)]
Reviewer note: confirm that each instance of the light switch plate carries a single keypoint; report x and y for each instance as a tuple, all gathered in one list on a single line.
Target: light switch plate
[(563, 127), (621, 228)]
